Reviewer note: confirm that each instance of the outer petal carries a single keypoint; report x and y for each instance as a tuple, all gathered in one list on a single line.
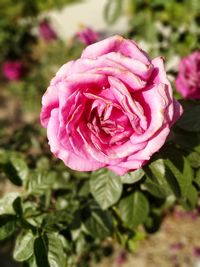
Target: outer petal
[(115, 44), (155, 102), (73, 161), (140, 158), (153, 145), (135, 66), (49, 102), (174, 110), (117, 169)]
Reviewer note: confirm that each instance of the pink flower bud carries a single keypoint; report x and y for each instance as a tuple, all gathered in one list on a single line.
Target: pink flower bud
[(13, 70), (46, 31), (88, 36)]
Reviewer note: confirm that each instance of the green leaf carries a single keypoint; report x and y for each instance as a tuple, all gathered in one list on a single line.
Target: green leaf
[(49, 251), (31, 262), (153, 221), (132, 177), (40, 181), (6, 203), (98, 223), (197, 178), (7, 226), (194, 159), (134, 209), (56, 255), (155, 189), (20, 166), (24, 246), (58, 220), (17, 206), (190, 202), (112, 10), (12, 174), (156, 182), (15, 168), (41, 251), (189, 121), (189, 141), (106, 187), (179, 168)]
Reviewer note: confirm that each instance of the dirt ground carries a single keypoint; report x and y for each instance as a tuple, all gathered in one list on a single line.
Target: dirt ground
[(177, 244)]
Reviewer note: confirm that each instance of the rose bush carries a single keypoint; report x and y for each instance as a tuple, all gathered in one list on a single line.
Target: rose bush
[(188, 79), (111, 108)]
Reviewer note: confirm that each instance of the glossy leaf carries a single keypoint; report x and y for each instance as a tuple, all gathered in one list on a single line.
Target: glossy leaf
[(194, 159), (189, 121), (156, 182), (98, 223), (112, 10), (106, 187), (132, 177), (7, 226), (56, 255), (41, 251), (134, 209), (40, 181), (24, 246), (17, 206), (180, 168), (20, 165), (6, 203)]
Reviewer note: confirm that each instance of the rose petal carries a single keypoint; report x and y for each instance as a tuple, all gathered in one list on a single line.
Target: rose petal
[(73, 161), (115, 44)]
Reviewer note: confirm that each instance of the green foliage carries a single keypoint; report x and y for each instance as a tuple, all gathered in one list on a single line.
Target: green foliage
[(98, 223), (24, 246), (7, 226), (132, 177), (166, 26), (106, 187), (134, 209), (30, 8), (189, 120), (112, 10)]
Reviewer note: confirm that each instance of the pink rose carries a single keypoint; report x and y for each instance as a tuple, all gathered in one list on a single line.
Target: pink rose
[(88, 36), (111, 108), (46, 31), (13, 70), (188, 79)]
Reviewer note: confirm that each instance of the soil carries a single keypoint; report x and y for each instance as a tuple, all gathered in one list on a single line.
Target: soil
[(177, 244)]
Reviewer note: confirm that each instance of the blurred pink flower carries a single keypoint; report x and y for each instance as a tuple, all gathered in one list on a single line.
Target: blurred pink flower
[(121, 258), (88, 36), (188, 79), (196, 252), (46, 31), (13, 70), (176, 247)]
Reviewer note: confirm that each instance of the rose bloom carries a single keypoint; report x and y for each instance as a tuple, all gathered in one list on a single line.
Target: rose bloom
[(188, 79), (13, 70), (111, 108), (88, 36), (46, 31)]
